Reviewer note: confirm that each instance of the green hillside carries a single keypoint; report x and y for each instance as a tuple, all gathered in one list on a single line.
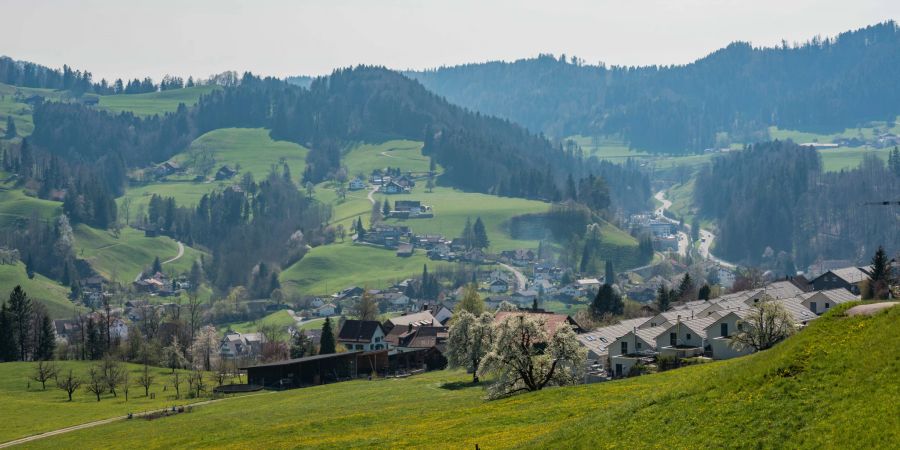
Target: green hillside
[(154, 102), (12, 104), (29, 410), (405, 154), (15, 205), (831, 386), (329, 268), (250, 148), (50, 293), (124, 257)]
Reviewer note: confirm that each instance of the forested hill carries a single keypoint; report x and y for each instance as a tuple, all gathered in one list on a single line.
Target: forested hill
[(823, 85), (478, 153)]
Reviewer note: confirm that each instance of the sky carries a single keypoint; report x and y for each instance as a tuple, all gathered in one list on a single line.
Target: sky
[(129, 39)]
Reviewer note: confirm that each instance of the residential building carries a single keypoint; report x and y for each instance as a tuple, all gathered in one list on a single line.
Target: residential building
[(362, 335)]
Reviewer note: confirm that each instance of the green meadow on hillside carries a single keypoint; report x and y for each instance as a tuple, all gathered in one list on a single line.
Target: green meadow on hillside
[(123, 258), (10, 105), (280, 319), (29, 410), (40, 288), (152, 103), (15, 205), (407, 155), (833, 386), (251, 148), (329, 268)]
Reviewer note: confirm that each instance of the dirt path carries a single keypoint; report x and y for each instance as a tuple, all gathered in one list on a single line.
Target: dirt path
[(870, 309), (179, 255), (371, 193), (102, 422)]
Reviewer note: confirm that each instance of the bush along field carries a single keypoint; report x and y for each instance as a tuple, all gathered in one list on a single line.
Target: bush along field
[(832, 385)]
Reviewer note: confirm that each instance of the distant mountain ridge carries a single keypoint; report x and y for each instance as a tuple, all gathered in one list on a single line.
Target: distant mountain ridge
[(824, 85)]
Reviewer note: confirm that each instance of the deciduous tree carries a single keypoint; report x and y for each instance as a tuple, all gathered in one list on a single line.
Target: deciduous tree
[(469, 340), (767, 324)]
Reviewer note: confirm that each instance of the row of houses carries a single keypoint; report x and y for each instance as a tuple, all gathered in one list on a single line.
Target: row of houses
[(699, 328)]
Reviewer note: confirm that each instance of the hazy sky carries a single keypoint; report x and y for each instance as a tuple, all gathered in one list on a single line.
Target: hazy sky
[(130, 39)]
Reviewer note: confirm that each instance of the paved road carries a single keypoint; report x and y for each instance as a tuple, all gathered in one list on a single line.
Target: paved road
[(521, 280), (683, 239)]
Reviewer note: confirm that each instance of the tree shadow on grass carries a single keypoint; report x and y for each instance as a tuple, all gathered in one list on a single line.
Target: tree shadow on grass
[(458, 385)]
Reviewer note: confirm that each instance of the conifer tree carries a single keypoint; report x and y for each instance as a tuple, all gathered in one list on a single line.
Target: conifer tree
[(20, 308), (480, 235), (610, 274), (8, 350), (326, 344), (46, 339), (10, 128)]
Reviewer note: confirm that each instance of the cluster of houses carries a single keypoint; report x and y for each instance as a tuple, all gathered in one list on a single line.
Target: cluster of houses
[(387, 184), (699, 328), (160, 285), (663, 233)]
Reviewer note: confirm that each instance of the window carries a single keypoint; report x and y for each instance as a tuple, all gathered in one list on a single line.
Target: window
[(673, 339), (638, 345), (827, 306), (689, 336), (723, 329), (812, 306), (624, 348)]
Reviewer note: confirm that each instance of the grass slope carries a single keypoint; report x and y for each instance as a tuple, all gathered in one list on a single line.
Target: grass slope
[(329, 268), (125, 257), (21, 112), (280, 319), (833, 386), (152, 103), (28, 411), (251, 148), (15, 205), (362, 159), (42, 289)]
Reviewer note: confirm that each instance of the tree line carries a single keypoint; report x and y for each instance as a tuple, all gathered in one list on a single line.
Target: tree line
[(731, 95)]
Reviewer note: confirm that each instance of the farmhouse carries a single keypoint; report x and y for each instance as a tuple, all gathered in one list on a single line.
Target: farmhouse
[(550, 321), (848, 278), (362, 335), (405, 250), (238, 345), (357, 184), (498, 285), (392, 187), (225, 173)]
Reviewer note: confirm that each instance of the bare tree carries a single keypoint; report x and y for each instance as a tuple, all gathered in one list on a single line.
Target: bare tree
[(145, 379), (126, 382), (198, 382), (96, 382), (176, 383), (69, 383), (44, 371), (221, 372), (194, 310), (113, 374), (767, 324)]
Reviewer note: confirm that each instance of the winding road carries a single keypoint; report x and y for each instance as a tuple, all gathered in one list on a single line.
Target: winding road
[(521, 280), (176, 258), (371, 193), (706, 236)]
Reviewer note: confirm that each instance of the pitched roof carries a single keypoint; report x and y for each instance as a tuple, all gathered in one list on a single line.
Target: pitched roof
[(851, 275), (836, 296), (552, 322), (359, 330), (418, 319)]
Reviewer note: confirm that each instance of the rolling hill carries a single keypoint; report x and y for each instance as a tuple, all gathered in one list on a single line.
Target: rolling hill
[(152, 103), (832, 385)]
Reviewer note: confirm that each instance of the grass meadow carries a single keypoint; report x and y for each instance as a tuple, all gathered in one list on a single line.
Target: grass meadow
[(830, 386)]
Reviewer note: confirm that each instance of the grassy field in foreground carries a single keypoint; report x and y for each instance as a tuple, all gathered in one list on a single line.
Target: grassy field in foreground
[(152, 103), (124, 257), (50, 293), (29, 410), (831, 386)]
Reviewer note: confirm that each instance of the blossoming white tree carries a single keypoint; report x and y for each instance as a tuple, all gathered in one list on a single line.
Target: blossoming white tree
[(469, 340), (524, 358)]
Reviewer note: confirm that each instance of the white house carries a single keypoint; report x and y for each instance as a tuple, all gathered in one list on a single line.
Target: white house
[(498, 285), (357, 184), (684, 338), (325, 310), (362, 335), (820, 302), (720, 331)]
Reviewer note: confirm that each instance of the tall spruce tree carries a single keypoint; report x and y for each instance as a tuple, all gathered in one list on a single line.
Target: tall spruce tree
[(326, 344), (662, 298), (480, 235), (8, 350), (610, 274), (21, 308), (46, 339)]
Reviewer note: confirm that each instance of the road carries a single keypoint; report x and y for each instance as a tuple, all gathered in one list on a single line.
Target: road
[(179, 255), (104, 422), (683, 240), (521, 280)]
